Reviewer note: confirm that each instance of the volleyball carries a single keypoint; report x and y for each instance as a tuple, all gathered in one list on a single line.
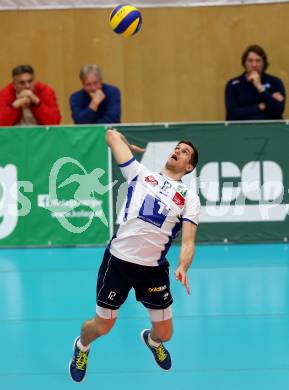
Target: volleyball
[(125, 20)]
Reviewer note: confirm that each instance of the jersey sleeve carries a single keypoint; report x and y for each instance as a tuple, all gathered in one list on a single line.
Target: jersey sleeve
[(191, 212), (131, 169)]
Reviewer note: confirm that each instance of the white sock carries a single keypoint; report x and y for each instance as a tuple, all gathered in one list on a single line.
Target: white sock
[(152, 342), (82, 347)]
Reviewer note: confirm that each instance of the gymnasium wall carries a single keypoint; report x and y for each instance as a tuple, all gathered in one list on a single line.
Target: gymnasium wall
[(174, 70)]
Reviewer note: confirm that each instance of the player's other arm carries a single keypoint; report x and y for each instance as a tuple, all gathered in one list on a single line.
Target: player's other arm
[(189, 231), (121, 149)]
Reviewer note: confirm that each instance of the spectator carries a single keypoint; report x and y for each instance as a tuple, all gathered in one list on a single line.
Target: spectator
[(27, 102), (255, 95), (96, 102)]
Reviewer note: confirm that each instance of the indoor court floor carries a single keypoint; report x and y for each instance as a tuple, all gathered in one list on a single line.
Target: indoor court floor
[(231, 333)]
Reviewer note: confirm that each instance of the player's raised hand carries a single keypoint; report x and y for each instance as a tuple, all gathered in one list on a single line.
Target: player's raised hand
[(136, 149), (181, 275), (133, 148)]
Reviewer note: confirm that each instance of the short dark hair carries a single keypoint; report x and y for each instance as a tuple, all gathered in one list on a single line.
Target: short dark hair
[(195, 155), (20, 69), (257, 50)]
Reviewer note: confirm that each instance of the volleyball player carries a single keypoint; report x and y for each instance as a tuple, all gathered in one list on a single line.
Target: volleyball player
[(158, 206)]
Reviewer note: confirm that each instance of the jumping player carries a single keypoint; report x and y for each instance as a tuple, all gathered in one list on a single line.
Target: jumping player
[(158, 206)]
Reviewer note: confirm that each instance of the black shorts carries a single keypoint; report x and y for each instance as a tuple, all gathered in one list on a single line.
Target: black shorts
[(116, 278)]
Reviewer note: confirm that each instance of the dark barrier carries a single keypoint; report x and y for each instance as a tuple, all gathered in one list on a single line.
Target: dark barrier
[(242, 177)]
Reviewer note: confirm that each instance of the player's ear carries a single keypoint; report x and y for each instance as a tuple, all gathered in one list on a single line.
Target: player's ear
[(189, 168)]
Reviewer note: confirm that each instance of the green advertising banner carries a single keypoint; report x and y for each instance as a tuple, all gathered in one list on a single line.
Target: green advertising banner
[(55, 182), (54, 186), (242, 177)]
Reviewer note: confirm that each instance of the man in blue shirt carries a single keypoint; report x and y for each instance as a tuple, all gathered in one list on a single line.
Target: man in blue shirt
[(255, 95), (96, 102)]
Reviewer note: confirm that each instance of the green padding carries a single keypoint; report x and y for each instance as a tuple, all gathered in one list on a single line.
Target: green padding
[(80, 159)]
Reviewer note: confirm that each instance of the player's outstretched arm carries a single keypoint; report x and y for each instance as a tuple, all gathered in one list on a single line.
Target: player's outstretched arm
[(121, 149), (189, 231)]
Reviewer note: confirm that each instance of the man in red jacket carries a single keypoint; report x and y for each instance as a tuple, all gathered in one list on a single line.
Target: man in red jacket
[(27, 102)]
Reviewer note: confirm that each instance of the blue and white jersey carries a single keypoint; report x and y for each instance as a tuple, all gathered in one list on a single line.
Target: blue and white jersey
[(155, 208)]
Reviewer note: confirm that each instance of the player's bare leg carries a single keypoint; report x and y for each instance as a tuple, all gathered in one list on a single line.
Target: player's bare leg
[(160, 332), (90, 331)]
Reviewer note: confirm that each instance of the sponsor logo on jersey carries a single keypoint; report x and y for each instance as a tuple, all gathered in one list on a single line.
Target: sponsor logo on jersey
[(157, 289), (179, 199), (166, 188), (182, 191), (151, 180)]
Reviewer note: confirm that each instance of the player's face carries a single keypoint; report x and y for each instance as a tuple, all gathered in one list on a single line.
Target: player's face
[(23, 82), (180, 159), (91, 83), (254, 62)]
